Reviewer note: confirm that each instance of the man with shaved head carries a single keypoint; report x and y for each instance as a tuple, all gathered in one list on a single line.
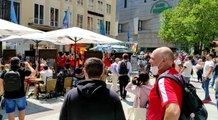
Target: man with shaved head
[(165, 100)]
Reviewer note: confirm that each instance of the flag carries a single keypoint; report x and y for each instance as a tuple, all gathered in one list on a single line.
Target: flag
[(128, 39), (135, 47), (102, 30), (129, 36), (66, 19), (12, 13)]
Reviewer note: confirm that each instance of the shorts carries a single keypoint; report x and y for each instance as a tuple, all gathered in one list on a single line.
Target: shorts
[(10, 104)]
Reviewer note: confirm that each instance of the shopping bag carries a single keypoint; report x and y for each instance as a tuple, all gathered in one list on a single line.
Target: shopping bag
[(136, 114)]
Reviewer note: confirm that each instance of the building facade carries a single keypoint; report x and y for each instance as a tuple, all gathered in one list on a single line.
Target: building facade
[(47, 15), (139, 21)]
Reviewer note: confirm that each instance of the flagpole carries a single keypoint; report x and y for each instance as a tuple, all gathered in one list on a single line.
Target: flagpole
[(128, 35), (65, 23)]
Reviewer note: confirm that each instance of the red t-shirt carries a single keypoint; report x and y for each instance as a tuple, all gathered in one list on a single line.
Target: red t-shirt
[(61, 61), (107, 62), (72, 63), (170, 92)]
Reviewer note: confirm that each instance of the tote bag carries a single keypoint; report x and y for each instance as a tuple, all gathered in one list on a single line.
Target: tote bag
[(137, 113)]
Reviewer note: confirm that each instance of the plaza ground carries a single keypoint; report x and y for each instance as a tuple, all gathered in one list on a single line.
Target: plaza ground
[(49, 110)]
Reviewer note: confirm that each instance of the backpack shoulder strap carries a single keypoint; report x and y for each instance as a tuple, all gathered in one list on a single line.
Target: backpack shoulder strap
[(171, 77)]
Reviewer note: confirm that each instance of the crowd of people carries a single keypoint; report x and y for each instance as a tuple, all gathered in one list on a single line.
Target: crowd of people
[(89, 97)]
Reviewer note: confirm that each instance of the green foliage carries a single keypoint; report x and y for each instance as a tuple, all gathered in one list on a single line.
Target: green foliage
[(193, 22)]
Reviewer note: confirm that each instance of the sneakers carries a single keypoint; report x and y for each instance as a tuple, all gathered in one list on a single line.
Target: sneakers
[(206, 101)]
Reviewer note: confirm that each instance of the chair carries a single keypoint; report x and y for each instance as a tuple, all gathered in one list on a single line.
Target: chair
[(67, 83), (49, 88)]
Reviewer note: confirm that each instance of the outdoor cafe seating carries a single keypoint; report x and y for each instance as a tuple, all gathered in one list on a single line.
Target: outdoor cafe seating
[(49, 89), (67, 84)]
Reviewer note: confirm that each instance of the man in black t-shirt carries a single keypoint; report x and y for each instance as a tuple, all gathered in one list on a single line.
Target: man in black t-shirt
[(16, 98)]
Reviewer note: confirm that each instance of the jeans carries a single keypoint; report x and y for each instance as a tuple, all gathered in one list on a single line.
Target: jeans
[(199, 74), (213, 79), (11, 104), (123, 81), (205, 85), (75, 81)]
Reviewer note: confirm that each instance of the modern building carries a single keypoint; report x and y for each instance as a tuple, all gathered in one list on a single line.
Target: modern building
[(47, 15), (139, 21)]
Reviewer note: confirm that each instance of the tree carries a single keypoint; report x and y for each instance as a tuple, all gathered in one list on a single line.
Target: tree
[(193, 23)]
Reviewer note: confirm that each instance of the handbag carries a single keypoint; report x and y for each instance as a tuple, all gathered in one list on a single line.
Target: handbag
[(137, 113)]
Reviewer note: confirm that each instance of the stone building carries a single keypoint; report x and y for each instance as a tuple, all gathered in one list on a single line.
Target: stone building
[(139, 21)]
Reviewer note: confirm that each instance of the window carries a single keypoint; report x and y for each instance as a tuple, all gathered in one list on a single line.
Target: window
[(108, 24), (79, 20), (119, 28), (91, 4), (5, 10), (90, 23), (99, 22), (38, 14), (123, 27), (139, 25), (108, 9), (100, 6), (80, 2), (54, 17), (125, 3)]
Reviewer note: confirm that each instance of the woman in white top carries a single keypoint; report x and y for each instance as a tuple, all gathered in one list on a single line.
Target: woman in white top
[(141, 88)]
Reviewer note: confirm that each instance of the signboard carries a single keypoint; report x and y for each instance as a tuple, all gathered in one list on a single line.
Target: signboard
[(160, 6)]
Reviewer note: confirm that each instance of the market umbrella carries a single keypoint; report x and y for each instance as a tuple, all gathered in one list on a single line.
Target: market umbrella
[(72, 35), (8, 28), (76, 35), (28, 38)]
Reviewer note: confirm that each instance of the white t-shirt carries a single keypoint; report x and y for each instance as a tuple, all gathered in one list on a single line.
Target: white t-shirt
[(113, 68), (177, 62), (45, 74), (188, 69), (207, 65)]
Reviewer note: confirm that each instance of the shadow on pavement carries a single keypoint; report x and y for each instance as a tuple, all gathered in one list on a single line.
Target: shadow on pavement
[(52, 100), (31, 108), (130, 103)]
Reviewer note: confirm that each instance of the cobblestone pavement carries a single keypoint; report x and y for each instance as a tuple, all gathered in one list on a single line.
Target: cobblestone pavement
[(49, 110)]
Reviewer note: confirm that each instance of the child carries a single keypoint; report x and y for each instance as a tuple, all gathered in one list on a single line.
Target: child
[(141, 88)]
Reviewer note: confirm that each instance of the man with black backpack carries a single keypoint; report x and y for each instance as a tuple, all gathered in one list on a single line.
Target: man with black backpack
[(124, 69), (171, 98), (13, 84)]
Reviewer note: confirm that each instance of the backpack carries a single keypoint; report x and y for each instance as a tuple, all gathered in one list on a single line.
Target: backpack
[(12, 81), (192, 106), (123, 68)]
